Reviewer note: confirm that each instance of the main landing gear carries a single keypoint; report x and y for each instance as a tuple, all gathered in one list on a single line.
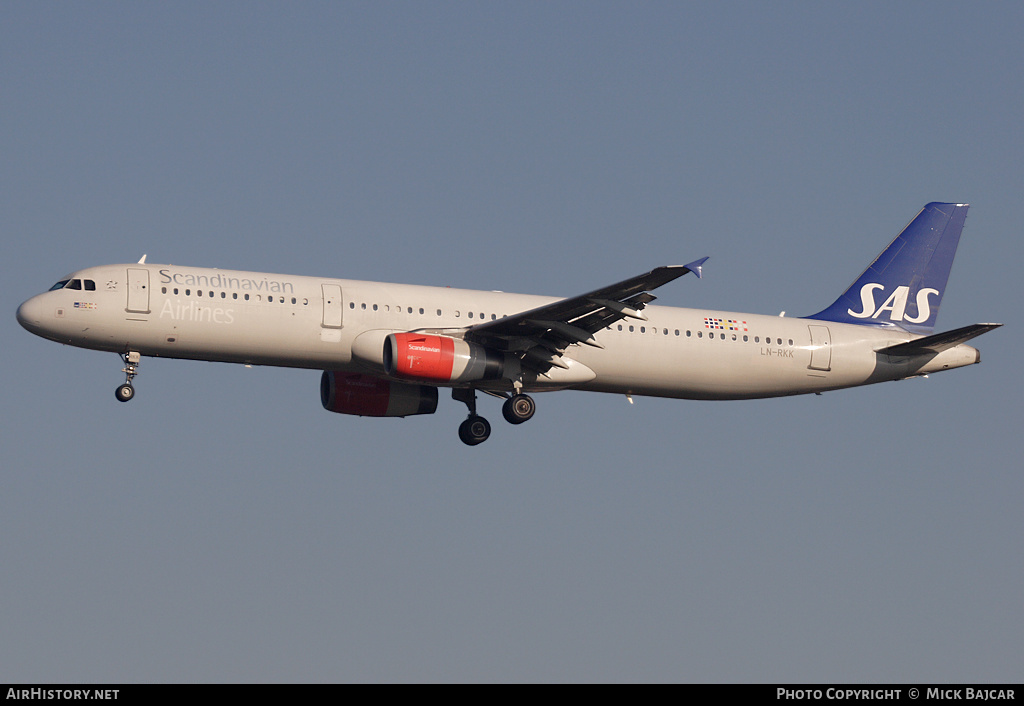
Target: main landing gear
[(517, 409), (125, 391)]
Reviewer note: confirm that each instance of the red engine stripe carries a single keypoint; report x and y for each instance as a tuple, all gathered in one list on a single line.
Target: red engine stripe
[(424, 357), (365, 395)]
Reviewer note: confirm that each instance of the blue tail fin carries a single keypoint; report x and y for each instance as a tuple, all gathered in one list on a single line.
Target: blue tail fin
[(904, 285)]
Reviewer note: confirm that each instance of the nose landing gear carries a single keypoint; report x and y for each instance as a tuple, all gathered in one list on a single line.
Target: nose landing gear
[(125, 391)]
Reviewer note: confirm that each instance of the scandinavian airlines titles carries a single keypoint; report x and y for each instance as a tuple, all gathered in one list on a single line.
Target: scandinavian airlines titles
[(227, 282)]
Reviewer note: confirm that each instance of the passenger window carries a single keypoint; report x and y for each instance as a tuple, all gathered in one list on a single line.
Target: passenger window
[(471, 314), (375, 307), (700, 334)]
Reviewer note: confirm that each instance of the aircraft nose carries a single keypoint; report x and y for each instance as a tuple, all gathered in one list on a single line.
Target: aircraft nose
[(30, 314)]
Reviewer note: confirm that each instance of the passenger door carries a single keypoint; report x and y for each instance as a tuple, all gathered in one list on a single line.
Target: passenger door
[(138, 291)]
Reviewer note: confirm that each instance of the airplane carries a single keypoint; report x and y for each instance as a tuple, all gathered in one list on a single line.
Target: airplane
[(386, 349)]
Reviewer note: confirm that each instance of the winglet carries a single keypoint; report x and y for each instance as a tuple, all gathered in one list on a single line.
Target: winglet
[(695, 266)]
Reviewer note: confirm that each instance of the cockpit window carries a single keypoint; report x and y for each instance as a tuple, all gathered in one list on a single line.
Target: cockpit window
[(90, 285), (75, 284), (59, 285)]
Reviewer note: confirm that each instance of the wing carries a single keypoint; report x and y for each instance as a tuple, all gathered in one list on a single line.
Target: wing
[(541, 335)]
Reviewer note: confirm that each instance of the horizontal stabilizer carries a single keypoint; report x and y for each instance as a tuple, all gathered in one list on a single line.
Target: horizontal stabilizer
[(939, 341)]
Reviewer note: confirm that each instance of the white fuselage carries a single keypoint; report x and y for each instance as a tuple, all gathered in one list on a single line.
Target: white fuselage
[(308, 322)]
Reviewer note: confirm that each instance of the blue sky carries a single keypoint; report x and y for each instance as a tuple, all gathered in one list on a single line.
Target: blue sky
[(224, 527)]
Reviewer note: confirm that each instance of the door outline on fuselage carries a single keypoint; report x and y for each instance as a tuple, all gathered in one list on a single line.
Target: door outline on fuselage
[(138, 291), (333, 310), (821, 348)]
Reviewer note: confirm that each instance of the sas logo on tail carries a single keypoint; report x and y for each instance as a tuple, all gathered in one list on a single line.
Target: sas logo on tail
[(896, 304)]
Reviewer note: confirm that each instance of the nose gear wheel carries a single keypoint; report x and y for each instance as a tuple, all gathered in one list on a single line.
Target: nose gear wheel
[(125, 391)]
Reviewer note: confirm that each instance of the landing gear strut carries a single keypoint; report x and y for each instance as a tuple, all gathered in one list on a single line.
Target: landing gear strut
[(125, 391), (475, 429)]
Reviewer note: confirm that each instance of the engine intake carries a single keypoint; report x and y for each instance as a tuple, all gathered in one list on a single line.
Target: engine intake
[(420, 356)]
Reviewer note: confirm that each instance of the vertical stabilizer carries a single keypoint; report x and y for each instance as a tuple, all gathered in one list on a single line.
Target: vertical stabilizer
[(904, 285)]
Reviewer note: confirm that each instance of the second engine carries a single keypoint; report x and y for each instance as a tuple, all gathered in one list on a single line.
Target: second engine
[(369, 396)]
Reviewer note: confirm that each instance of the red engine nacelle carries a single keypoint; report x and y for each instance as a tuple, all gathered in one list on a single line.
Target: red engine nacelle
[(441, 358), (369, 396)]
